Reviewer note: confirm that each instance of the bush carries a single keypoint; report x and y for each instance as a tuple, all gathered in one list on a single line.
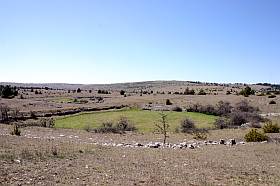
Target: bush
[(272, 102), (247, 91), (208, 109), (223, 108), (120, 127), (122, 92), (201, 92), (46, 122), (238, 118), (271, 96), (270, 128), (187, 126), (200, 134), (221, 123), (168, 102), (189, 92), (254, 136), (16, 131), (103, 92), (125, 125), (177, 109), (244, 106), (106, 127)]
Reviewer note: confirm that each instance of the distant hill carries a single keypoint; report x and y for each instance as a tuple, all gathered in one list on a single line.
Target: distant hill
[(132, 85)]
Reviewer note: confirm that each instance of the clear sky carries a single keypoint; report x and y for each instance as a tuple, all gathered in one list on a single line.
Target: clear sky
[(108, 41)]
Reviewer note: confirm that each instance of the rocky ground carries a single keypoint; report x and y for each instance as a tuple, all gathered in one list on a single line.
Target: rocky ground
[(42, 156)]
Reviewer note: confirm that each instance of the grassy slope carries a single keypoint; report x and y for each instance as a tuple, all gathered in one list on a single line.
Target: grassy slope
[(143, 120)]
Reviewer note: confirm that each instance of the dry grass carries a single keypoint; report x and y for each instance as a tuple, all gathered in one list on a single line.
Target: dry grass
[(78, 163)]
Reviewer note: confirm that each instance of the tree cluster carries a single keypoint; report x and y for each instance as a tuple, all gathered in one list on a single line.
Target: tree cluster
[(8, 91)]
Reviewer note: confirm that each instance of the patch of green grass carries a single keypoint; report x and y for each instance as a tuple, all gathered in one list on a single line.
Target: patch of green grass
[(63, 100), (143, 120)]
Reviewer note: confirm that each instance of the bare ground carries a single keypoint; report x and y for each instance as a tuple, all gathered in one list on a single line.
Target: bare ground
[(37, 159)]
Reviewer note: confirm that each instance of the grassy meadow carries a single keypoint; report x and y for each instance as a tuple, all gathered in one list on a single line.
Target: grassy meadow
[(143, 120)]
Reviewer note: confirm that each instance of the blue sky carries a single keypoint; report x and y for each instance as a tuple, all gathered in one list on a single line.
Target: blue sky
[(109, 41)]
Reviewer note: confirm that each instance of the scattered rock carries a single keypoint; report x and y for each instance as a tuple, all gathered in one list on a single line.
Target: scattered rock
[(190, 146), (222, 142), (154, 145), (17, 161), (232, 142)]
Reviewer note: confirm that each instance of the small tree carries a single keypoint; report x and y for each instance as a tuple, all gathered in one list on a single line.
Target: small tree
[(163, 126), (79, 90)]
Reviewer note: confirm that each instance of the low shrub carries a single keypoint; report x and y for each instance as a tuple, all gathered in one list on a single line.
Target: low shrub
[(46, 122), (106, 127), (200, 134), (272, 102), (125, 125), (238, 118), (168, 102), (271, 96), (254, 136), (187, 126), (201, 92), (222, 123), (244, 106), (177, 109), (270, 128), (121, 126)]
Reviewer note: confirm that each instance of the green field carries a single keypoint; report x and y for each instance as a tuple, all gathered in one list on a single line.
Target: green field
[(143, 120)]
